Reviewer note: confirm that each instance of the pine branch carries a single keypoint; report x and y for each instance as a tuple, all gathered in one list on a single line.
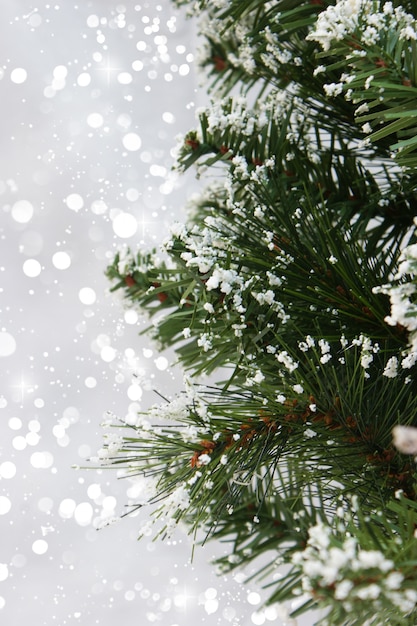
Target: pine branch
[(295, 277)]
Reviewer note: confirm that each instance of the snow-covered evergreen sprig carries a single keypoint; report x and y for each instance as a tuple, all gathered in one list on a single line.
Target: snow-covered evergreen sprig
[(293, 279)]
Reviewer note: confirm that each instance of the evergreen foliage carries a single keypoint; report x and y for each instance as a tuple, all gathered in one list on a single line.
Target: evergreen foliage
[(295, 281)]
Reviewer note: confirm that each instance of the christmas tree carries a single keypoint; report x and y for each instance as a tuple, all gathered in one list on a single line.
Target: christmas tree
[(294, 284)]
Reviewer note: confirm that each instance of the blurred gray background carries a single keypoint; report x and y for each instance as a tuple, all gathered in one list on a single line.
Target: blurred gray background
[(93, 95)]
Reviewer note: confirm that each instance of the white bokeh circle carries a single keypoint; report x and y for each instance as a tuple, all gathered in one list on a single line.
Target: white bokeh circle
[(7, 344), (125, 225)]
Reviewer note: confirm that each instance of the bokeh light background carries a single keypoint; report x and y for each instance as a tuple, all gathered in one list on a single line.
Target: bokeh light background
[(93, 95)]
